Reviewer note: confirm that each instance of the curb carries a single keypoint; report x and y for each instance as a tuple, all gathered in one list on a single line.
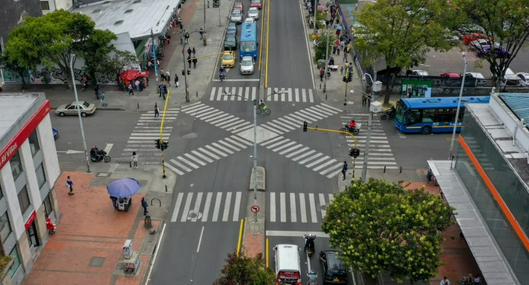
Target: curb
[(254, 234)]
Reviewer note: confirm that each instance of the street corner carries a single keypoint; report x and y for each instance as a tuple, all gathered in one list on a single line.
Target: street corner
[(253, 245), (428, 187)]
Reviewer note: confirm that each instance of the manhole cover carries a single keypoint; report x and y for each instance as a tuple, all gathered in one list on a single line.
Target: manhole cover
[(97, 261), (103, 174)]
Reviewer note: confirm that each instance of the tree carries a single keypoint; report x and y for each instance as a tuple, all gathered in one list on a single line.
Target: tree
[(401, 31), (243, 270), (380, 227), (505, 24), (327, 37), (96, 53)]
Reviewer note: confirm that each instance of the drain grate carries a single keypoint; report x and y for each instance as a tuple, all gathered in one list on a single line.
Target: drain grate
[(97, 261)]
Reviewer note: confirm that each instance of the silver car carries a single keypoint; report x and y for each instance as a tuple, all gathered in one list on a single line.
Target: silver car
[(253, 12), (246, 65), (71, 109), (236, 16)]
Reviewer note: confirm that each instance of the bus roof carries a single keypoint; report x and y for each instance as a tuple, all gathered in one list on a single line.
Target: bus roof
[(248, 32), (442, 102)]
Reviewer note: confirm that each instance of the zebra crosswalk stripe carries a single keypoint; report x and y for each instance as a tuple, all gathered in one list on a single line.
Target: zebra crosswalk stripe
[(227, 203), (293, 216), (173, 169), (177, 206), (236, 209), (216, 209), (215, 150), (188, 162), (194, 159), (282, 207), (202, 156), (312, 206), (187, 205), (272, 207), (180, 165), (302, 208), (207, 204), (296, 94), (196, 208)]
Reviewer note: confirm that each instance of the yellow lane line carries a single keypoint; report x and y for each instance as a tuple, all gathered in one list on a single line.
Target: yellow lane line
[(241, 234)]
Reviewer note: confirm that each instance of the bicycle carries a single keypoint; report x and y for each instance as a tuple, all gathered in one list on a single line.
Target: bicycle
[(263, 109)]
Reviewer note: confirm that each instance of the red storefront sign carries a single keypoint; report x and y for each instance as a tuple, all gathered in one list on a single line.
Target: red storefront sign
[(30, 221), (11, 148)]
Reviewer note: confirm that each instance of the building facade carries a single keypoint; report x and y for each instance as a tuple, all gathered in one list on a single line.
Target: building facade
[(29, 168)]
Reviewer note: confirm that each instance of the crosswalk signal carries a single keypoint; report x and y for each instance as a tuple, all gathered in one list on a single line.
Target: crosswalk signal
[(157, 144), (354, 152), (305, 126)]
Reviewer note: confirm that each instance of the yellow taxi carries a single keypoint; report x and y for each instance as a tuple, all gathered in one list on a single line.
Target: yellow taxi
[(228, 59)]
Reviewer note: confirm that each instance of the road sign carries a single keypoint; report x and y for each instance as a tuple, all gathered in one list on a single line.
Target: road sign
[(255, 209)]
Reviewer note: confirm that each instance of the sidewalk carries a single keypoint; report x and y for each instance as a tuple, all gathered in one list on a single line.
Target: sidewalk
[(87, 246)]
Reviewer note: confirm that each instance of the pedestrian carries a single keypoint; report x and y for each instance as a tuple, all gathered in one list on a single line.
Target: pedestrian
[(201, 32), (445, 281), (322, 73), (364, 99), (189, 51), (69, 184), (189, 61), (137, 85), (176, 83), (194, 51), (180, 23), (96, 91), (156, 110), (131, 90), (134, 160), (144, 205), (195, 60), (164, 87), (345, 167), (477, 280), (160, 90), (168, 77)]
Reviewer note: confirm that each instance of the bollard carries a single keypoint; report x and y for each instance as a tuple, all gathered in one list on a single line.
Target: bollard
[(384, 169), (400, 169), (147, 222), (138, 106), (196, 94), (165, 188)]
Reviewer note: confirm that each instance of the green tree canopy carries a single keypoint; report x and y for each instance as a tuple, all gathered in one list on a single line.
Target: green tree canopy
[(53, 39), (380, 227), (504, 22), (243, 270), (401, 31)]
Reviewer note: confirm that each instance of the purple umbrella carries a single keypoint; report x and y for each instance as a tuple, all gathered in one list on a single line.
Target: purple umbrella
[(122, 188)]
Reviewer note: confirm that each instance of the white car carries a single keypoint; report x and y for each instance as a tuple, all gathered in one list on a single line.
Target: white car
[(475, 75), (511, 78), (524, 78), (249, 20), (246, 65), (253, 12), (236, 16), (419, 72)]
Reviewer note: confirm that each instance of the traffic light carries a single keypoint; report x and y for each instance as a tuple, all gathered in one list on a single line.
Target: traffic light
[(216, 3), (163, 145), (305, 126), (354, 152), (158, 144)]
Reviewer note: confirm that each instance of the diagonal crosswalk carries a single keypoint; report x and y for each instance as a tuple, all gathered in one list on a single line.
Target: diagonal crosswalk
[(207, 154), (216, 117), (145, 132), (273, 94), (226, 207), (305, 156), (380, 155)]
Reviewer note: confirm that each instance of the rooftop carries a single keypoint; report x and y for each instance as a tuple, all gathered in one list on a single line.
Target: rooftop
[(137, 17), (447, 102), (16, 107)]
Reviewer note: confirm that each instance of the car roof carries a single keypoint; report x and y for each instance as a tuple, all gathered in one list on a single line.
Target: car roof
[(289, 259), (476, 74), (253, 9)]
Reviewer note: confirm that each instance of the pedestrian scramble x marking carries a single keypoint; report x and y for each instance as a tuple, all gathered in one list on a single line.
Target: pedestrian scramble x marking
[(269, 135)]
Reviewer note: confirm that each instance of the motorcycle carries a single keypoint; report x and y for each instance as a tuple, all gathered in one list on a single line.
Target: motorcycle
[(263, 109), (96, 155), (309, 244), (388, 114), (354, 131)]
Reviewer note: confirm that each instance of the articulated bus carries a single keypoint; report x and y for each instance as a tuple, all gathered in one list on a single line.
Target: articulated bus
[(248, 42), (432, 115)]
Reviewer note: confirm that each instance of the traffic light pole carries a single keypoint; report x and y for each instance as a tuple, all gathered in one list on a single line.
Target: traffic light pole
[(162, 143), (366, 151)]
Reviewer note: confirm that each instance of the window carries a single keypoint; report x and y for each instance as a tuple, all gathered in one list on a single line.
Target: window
[(34, 143), (44, 5), (23, 199), (5, 227), (48, 205), (41, 175), (16, 261), (16, 166)]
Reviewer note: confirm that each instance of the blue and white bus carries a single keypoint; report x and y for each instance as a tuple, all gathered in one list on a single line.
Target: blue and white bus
[(248, 43), (432, 115)]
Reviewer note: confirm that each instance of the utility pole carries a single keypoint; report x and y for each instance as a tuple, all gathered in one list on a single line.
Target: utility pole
[(153, 45), (451, 154), (185, 71)]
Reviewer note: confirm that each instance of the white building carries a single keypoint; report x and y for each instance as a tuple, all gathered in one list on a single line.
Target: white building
[(29, 168)]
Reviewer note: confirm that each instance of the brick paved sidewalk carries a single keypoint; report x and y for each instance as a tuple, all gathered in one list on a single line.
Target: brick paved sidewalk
[(87, 246)]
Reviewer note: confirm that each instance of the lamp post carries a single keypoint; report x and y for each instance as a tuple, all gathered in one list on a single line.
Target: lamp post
[(451, 152), (79, 114)]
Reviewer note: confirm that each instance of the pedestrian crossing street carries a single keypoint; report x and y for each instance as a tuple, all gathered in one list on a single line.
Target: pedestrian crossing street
[(295, 120), (248, 93), (380, 154), (225, 207), (305, 156), (207, 154), (216, 117), (146, 131)]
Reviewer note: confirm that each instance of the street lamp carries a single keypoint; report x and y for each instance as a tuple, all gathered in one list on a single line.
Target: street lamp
[(72, 56), (451, 152)]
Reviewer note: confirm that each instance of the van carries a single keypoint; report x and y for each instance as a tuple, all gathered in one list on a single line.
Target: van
[(287, 264)]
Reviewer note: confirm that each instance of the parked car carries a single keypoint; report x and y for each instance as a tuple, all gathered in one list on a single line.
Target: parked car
[(253, 12), (230, 43), (247, 65), (228, 59), (510, 78), (256, 3), (480, 44), (334, 270), (419, 72), (524, 78), (71, 109), (231, 33), (469, 38), (238, 5), (474, 75), (232, 27), (451, 75), (236, 16)]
